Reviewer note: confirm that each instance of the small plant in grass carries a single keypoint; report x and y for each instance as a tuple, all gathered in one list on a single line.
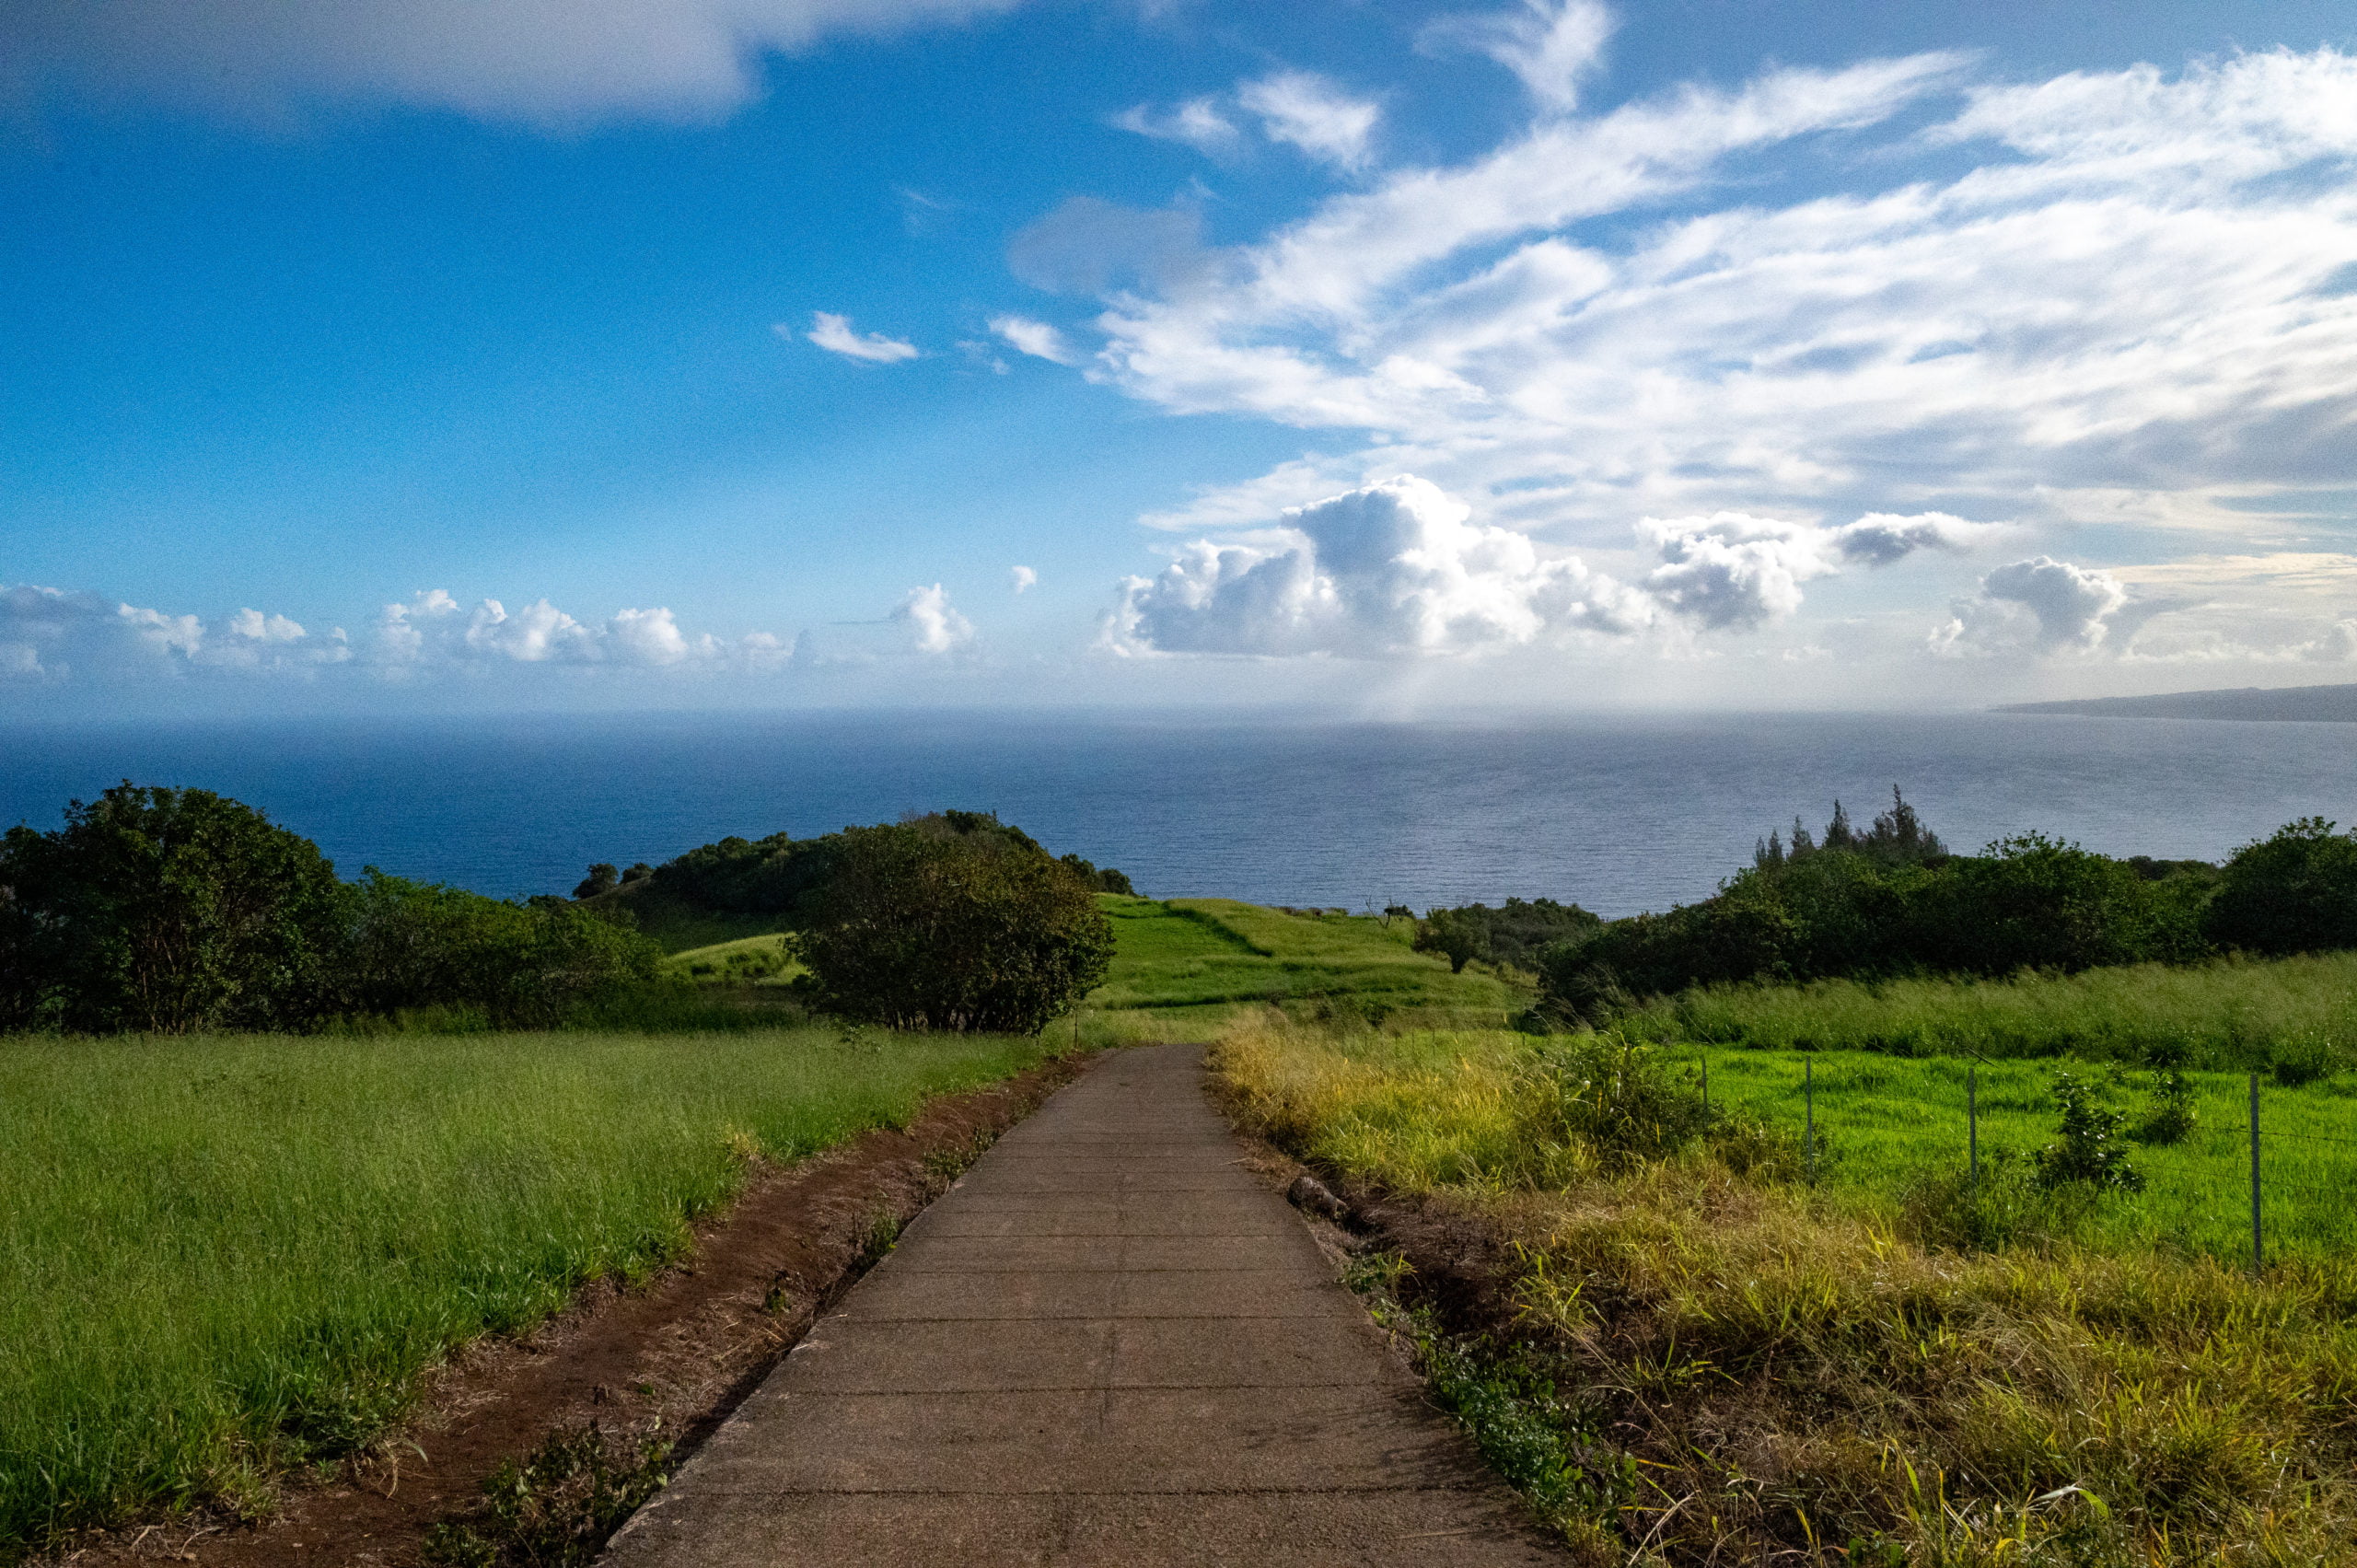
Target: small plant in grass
[(2302, 1060), (556, 1507), (2171, 1117), (2089, 1151), (2004, 1206), (1623, 1101)]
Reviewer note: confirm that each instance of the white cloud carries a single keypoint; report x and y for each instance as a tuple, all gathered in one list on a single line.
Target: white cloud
[(2041, 603), (1733, 570), (939, 628), (551, 65), (435, 631), (2125, 285), (1395, 568), (1024, 579), (1034, 338), (49, 634), (1551, 44), (1197, 123), (833, 333), (1305, 110), (1399, 567)]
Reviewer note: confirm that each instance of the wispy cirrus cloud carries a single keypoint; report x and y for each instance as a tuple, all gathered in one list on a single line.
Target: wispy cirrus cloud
[(834, 333), (2102, 296)]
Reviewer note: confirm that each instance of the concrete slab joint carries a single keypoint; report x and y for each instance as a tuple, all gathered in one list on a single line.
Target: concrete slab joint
[(1108, 1343)]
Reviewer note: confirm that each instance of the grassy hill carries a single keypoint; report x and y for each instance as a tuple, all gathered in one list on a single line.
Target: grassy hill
[(1193, 962)]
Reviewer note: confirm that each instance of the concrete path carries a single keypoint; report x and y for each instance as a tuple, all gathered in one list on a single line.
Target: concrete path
[(1108, 1343)]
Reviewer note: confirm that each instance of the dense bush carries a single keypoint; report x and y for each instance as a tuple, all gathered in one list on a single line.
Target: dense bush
[(169, 911), (939, 924), (1514, 934), (2296, 893), (414, 944)]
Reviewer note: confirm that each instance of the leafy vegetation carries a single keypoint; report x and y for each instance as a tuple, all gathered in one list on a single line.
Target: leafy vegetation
[(1512, 935), (556, 1507), (930, 926), (225, 1255), (1851, 1372), (1892, 903)]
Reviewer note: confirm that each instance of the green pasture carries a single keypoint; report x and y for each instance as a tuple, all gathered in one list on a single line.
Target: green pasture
[(1884, 1122), (766, 960), (221, 1257), (2233, 1013), (1194, 960)]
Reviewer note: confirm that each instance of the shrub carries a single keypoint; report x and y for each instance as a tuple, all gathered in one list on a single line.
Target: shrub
[(922, 925), (602, 879), (166, 910), (1622, 1101), (1455, 935), (2089, 1151), (2296, 893)]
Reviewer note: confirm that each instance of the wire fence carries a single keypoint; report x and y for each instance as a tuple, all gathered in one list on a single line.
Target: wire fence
[(2246, 1184)]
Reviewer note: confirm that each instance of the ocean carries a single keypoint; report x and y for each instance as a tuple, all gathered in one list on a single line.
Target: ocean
[(1618, 814)]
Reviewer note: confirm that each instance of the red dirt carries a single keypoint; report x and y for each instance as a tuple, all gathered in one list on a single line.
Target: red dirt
[(676, 1355)]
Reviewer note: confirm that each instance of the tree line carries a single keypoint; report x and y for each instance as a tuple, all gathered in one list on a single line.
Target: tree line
[(174, 910), (1890, 900)]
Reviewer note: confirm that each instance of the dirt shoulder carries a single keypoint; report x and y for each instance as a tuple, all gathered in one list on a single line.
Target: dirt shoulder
[(673, 1357)]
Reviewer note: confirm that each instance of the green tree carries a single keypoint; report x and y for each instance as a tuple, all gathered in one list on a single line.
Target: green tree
[(529, 965), (602, 879), (938, 923), (2294, 893), (166, 910), (1459, 936)]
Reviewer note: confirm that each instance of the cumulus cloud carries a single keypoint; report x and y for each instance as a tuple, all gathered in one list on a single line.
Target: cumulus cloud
[(833, 333), (435, 631), (1034, 338), (2039, 604), (2109, 284), (939, 628), (1305, 111), (1552, 45), (1399, 567), (1024, 579), (1732, 570), (50, 634), (1394, 568), (521, 60)]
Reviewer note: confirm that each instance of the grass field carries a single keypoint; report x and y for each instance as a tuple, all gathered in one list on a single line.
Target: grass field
[(1190, 962), (2233, 1013), (223, 1257), (1690, 1364)]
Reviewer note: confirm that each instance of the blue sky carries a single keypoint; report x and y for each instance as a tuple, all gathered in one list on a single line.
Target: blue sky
[(1378, 356)]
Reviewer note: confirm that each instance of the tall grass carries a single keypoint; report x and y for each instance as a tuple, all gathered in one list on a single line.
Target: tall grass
[(1796, 1375), (221, 1257), (2234, 1013)]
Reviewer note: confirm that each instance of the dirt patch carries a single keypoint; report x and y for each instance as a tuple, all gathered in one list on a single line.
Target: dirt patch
[(674, 1357)]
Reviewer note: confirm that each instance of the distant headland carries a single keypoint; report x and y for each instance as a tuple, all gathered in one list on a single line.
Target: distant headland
[(2313, 704)]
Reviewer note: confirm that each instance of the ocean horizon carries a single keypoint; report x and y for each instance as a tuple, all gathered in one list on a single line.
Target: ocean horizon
[(1619, 813)]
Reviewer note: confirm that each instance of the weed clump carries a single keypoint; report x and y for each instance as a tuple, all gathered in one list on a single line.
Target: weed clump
[(556, 1507)]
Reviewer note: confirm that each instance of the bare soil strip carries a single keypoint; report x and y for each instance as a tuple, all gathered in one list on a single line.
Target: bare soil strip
[(676, 1357)]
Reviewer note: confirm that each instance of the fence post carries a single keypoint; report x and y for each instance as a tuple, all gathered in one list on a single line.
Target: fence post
[(1808, 1101), (1972, 1121), (2258, 1256)]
